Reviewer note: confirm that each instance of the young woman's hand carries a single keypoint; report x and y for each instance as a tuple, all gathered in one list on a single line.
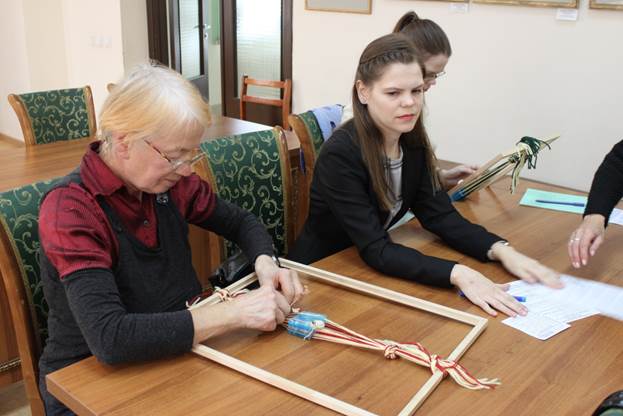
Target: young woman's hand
[(286, 280), (524, 267), (484, 293), (586, 239), (450, 177)]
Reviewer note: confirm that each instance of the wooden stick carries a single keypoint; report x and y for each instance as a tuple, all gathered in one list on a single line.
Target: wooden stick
[(381, 292), (476, 184), (493, 178), (234, 287), (434, 380), (474, 175), (281, 382)]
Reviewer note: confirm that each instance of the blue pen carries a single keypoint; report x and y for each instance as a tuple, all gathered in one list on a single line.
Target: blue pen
[(572, 204), (518, 298)]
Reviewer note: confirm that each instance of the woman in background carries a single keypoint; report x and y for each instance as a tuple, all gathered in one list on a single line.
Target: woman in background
[(380, 164), (606, 191), (433, 46)]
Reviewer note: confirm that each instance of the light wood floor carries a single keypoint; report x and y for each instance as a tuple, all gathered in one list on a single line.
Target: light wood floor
[(13, 400)]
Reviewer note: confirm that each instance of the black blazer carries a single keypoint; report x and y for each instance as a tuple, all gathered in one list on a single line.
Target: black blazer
[(607, 187), (344, 210)]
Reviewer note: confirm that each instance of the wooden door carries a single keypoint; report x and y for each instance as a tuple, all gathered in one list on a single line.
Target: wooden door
[(247, 49), (189, 32)]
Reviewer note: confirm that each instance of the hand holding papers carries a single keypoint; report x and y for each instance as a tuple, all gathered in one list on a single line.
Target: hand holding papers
[(551, 310)]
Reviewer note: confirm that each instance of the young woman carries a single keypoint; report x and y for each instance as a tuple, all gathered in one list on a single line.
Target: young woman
[(115, 261), (434, 49), (378, 165), (606, 192)]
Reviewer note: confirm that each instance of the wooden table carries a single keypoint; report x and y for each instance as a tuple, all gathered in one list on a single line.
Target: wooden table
[(19, 166), (568, 374), (23, 165)]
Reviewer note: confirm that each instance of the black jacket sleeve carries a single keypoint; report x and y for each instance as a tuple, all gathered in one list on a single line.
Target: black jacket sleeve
[(116, 336), (437, 215), (342, 182), (241, 227), (607, 188)]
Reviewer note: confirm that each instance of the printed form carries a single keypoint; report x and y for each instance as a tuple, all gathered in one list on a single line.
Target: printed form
[(551, 310)]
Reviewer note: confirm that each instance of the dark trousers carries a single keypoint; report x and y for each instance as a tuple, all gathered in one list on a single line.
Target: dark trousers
[(53, 407)]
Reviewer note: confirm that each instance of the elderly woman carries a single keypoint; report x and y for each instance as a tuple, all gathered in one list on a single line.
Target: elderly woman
[(115, 260)]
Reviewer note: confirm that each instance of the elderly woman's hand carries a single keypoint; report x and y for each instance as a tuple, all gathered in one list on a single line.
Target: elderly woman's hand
[(262, 309), (269, 274), (586, 239)]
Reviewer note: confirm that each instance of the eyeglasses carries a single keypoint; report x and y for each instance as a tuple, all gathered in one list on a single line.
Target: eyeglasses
[(175, 164), (431, 76)]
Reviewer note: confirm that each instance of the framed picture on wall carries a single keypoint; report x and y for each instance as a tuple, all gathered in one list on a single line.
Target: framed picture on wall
[(570, 4), (606, 4), (345, 6), (454, 1)]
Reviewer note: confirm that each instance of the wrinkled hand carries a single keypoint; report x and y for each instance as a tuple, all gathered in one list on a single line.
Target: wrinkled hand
[(524, 267), (278, 278), (484, 293), (450, 177), (586, 239), (262, 309)]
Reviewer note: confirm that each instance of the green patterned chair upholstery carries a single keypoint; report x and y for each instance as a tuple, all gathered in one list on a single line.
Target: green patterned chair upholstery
[(19, 265), (308, 131), (306, 128), (50, 116), (252, 170)]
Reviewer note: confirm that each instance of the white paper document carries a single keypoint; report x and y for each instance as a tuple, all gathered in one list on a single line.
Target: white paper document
[(551, 310), (537, 326), (616, 217), (607, 299), (543, 301)]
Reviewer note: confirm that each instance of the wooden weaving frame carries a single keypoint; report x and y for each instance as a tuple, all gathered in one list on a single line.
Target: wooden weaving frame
[(478, 325)]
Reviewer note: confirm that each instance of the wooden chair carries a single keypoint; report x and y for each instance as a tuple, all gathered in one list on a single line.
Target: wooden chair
[(19, 266), (284, 102), (306, 128), (252, 170), (50, 116)]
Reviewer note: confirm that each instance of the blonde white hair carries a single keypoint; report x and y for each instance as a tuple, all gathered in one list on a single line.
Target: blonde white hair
[(152, 101)]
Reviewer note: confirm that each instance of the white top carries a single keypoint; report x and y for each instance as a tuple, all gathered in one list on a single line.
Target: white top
[(394, 177)]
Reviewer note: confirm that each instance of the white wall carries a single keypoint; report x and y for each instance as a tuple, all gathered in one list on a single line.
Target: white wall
[(93, 42), (134, 33), (56, 44), (45, 44), (14, 68), (515, 71)]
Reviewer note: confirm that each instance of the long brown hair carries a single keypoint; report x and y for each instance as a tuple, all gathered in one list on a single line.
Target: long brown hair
[(376, 57), (428, 37)]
